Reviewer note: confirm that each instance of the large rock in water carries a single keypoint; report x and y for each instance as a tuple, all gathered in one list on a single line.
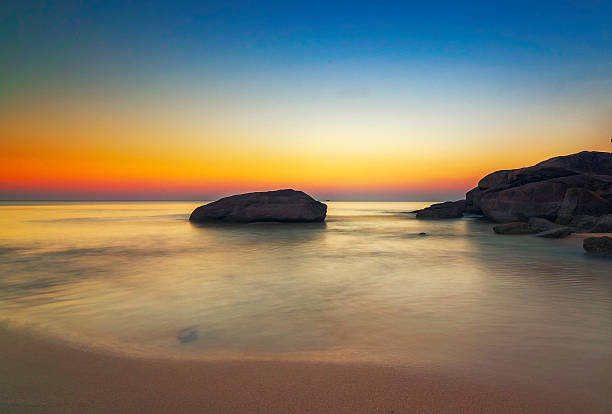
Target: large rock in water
[(287, 206), (558, 189)]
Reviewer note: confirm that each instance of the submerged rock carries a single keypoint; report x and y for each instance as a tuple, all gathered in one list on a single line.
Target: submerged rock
[(448, 209), (187, 335), (598, 245), (287, 206)]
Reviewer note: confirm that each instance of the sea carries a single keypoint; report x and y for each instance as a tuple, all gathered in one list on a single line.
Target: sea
[(371, 285)]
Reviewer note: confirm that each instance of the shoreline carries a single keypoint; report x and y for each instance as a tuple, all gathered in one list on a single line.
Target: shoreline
[(39, 376)]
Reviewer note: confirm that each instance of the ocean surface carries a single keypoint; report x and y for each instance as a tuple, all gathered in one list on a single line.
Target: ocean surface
[(138, 278)]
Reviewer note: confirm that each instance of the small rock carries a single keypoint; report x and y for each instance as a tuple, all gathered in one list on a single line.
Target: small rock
[(556, 233), (598, 245), (187, 335)]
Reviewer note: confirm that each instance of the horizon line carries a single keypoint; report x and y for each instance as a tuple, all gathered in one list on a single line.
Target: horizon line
[(194, 199)]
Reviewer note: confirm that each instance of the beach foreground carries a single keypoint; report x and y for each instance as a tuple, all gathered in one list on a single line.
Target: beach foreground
[(48, 377)]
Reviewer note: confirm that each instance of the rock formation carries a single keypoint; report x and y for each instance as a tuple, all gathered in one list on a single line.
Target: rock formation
[(557, 189), (573, 191), (287, 206)]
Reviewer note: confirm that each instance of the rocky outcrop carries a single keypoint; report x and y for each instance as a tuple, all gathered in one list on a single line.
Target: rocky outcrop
[(448, 209), (573, 191), (558, 189), (287, 206), (598, 245)]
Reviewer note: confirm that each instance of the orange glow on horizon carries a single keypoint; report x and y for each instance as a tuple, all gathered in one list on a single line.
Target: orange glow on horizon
[(75, 150)]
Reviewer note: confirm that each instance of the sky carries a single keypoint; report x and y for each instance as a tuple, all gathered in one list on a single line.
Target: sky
[(344, 100)]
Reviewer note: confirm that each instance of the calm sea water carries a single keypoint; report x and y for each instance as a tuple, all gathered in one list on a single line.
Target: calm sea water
[(365, 286)]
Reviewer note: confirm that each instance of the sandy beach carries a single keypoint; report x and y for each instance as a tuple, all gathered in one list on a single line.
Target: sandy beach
[(38, 376)]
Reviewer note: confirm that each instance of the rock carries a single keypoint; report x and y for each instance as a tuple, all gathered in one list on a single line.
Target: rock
[(598, 245), (591, 224), (582, 202), (583, 223), (556, 233), (288, 206), (536, 225), (520, 203), (557, 189), (422, 234), (539, 224), (187, 335), (472, 199), (448, 209), (603, 224), (514, 228)]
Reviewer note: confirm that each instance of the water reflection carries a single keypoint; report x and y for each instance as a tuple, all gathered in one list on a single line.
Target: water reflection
[(270, 234)]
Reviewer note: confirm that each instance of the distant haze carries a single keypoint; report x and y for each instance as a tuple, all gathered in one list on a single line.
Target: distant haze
[(393, 101)]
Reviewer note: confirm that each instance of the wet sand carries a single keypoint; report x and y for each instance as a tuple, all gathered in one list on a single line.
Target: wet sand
[(38, 376)]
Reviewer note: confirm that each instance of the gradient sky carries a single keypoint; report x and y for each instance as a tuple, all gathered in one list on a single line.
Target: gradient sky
[(345, 100)]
